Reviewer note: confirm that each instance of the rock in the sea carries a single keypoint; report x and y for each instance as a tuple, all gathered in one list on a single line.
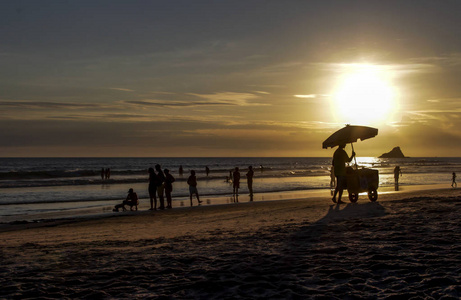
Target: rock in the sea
[(395, 153)]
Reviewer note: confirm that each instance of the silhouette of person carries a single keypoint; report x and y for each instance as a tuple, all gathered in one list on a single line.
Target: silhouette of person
[(453, 180), (207, 170), (340, 158), (153, 189), (169, 179), (160, 186), (103, 173), (108, 173), (192, 182), (332, 177), (236, 181), (181, 171), (131, 200), (397, 174), (249, 176)]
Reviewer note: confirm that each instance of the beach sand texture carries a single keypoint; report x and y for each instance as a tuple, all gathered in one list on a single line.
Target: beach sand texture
[(405, 246)]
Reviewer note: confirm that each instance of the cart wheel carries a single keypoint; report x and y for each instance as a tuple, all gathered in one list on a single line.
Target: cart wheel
[(373, 195), (353, 197)]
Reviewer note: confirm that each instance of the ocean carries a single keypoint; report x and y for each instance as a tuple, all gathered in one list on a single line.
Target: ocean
[(34, 188)]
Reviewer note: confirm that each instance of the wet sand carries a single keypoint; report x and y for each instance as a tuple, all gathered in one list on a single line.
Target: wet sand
[(406, 245)]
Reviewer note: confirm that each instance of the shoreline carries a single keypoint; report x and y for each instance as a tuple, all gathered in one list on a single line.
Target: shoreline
[(18, 222)]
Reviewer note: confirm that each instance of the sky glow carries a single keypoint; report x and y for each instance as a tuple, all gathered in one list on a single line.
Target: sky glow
[(228, 78)]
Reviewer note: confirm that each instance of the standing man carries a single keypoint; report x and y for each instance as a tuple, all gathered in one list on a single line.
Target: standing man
[(192, 182), (160, 186), (153, 179), (340, 158), (397, 174), (236, 181), (249, 175)]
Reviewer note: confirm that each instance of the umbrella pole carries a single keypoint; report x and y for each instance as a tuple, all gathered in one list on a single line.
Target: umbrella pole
[(355, 158)]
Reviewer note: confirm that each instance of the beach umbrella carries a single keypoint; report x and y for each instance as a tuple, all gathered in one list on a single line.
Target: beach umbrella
[(349, 134)]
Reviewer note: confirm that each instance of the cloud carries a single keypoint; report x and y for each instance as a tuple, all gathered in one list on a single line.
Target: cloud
[(216, 99), (121, 89), (306, 96), (419, 65), (229, 98), (47, 105), (168, 103)]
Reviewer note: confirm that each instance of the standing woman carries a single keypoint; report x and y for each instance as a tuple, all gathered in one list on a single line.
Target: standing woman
[(169, 179), (160, 185), (249, 175), (236, 181), (152, 189)]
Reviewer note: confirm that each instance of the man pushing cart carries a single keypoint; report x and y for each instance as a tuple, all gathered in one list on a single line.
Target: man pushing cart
[(358, 180)]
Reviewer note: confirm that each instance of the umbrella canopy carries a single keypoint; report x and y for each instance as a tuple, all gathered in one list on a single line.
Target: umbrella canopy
[(349, 134)]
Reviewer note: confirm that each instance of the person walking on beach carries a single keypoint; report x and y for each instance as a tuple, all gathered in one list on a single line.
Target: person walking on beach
[(397, 174), (131, 200), (249, 176), (160, 185), (153, 189), (169, 179), (192, 182), (108, 173), (103, 173), (340, 158), (236, 181), (453, 180), (181, 171), (207, 171)]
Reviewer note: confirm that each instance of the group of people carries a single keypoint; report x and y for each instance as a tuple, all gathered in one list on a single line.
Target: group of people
[(236, 181), (105, 174), (161, 187), (160, 183)]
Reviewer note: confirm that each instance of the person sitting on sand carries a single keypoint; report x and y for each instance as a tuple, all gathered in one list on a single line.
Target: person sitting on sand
[(192, 182), (169, 179), (131, 200), (340, 158)]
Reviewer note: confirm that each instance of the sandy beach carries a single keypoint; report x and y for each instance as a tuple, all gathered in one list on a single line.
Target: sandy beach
[(404, 246)]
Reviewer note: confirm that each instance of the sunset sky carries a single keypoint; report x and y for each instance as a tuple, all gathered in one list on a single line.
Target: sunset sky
[(228, 78)]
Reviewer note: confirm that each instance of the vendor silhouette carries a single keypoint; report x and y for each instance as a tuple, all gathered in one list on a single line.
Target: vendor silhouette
[(340, 158)]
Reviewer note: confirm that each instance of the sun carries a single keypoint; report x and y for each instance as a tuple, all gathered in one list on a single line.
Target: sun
[(365, 96)]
